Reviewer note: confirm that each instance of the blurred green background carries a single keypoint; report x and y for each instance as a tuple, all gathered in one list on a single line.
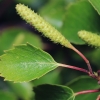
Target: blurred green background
[(69, 17)]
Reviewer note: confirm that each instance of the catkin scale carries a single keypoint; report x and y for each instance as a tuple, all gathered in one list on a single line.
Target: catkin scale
[(90, 38), (41, 25)]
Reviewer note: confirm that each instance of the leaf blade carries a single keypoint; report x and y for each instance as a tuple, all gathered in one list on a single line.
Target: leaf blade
[(17, 36), (84, 83), (53, 92), (25, 63), (22, 90), (76, 19), (96, 5), (4, 95)]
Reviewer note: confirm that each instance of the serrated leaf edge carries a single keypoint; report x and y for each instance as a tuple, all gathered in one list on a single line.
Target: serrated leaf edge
[(6, 51)]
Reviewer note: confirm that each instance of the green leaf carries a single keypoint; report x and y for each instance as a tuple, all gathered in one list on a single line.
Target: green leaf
[(17, 36), (22, 90), (7, 96), (55, 16), (18, 90), (84, 83), (53, 92), (93, 56), (50, 78), (25, 1), (96, 5), (25, 63), (80, 16)]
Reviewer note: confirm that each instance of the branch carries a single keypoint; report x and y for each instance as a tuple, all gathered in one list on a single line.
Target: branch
[(84, 58)]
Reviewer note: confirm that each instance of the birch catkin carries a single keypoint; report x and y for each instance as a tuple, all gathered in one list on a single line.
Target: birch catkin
[(90, 38), (41, 25)]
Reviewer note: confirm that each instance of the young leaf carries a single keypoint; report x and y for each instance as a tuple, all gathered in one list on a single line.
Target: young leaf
[(96, 5), (53, 92), (25, 63)]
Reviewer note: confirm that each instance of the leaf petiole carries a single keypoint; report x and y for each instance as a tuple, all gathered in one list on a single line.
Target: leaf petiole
[(73, 67), (87, 91)]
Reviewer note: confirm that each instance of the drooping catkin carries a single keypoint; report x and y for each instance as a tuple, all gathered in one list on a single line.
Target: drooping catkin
[(41, 25), (90, 38)]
